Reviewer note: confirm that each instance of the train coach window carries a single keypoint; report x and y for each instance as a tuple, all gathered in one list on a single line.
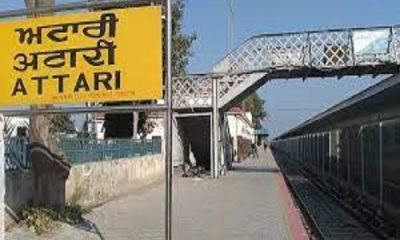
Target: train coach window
[(371, 159), (344, 154), (397, 134), (390, 167), (355, 157), (326, 152), (334, 152)]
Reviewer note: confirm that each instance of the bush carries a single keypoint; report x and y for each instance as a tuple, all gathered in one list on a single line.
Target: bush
[(43, 220), (39, 220), (74, 214)]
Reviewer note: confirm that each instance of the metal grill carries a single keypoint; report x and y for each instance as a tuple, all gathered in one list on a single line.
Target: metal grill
[(330, 50), (195, 91), (229, 82), (320, 50), (16, 153), (281, 51), (80, 151), (396, 44), (192, 92)]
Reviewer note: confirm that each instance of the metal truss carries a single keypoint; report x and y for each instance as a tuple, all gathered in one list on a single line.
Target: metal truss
[(193, 91), (326, 53), (323, 50)]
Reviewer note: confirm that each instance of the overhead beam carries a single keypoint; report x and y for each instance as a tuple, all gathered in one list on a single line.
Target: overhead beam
[(251, 84)]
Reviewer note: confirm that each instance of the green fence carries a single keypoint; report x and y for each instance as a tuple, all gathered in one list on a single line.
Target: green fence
[(16, 153), (78, 151)]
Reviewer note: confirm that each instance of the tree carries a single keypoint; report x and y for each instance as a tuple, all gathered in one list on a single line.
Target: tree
[(62, 123), (129, 125), (83, 133), (254, 104), (39, 125), (182, 43), (11, 127)]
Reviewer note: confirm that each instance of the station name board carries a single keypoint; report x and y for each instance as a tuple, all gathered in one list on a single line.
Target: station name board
[(89, 57)]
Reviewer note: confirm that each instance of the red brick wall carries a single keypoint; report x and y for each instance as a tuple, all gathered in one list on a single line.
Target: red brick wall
[(244, 148)]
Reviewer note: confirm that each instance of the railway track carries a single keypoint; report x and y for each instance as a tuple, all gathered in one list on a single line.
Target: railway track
[(329, 220)]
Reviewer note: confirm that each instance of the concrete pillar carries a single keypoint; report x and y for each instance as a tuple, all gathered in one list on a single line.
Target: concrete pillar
[(135, 125), (177, 143), (222, 143), (215, 132), (186, 153)]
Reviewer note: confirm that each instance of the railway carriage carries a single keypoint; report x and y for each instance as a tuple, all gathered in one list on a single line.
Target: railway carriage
[(360, 162)]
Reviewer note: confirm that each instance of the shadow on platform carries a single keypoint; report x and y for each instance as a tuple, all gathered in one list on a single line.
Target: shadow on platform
[(89, 226), (255, 169)]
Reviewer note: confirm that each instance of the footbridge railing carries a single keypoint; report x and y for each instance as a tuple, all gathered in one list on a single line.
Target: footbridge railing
[(327, 53), (324, 50)]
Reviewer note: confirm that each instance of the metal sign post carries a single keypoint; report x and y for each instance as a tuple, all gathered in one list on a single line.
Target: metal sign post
[(2, 177), (168, 164)]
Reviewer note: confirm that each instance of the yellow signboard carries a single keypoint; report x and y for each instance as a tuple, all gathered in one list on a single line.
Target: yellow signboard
[(90, 57)]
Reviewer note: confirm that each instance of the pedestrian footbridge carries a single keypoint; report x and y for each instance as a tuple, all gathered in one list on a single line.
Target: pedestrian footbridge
[(327, 53)]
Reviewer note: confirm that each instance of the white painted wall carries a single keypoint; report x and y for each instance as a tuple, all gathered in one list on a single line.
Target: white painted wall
[(240, 125), (100, 130), (158, 130), (94, 183)]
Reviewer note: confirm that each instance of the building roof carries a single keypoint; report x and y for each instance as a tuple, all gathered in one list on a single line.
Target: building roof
[(235, 110), (382, 94), (238, 111), (261, 132)]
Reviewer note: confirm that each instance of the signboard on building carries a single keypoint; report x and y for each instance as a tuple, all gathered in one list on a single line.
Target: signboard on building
[(88, 57)]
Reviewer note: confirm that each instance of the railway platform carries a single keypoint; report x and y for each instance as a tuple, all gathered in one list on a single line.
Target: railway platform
[(249, 203)]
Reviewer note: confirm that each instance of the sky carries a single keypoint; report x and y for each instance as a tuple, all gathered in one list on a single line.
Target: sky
[(288, 103)]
